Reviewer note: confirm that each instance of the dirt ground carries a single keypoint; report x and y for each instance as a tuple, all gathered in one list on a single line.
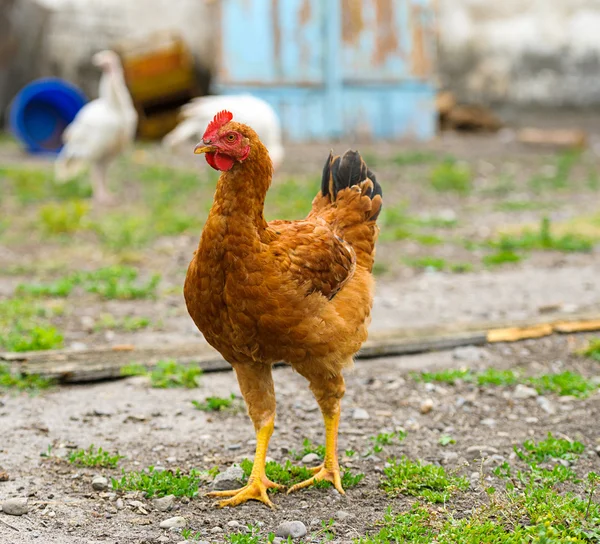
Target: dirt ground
[(151, 426)]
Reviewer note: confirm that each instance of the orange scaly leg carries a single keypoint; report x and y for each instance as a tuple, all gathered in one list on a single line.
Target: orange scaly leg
[(256, 384), (328, 393), (258, 483)]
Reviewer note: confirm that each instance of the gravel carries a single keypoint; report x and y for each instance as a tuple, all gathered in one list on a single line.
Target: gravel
[(100, 483)]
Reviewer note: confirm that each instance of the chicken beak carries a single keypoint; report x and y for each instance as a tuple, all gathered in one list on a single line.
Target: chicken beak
[(201, 148)]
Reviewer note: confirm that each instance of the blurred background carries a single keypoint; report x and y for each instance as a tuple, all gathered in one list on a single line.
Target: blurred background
[(479, 118)]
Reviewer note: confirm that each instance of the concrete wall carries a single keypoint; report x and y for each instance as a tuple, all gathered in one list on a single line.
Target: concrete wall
[(521, 52), (78, 28)]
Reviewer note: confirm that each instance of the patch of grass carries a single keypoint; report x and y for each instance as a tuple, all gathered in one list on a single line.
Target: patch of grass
[(564, 383), (121, 230), (430, 482), (25, 325), (63, 217), (537, 514), (214, 404), (450, 376), (22, 382), (169, 374), (461, 268), (159, 483), (119, 282), (93, 457), (166, 374), (451, 176), (127, 323), (592, 350), (503, 256), (111, 282), (543, 240), (427, 263), (492, 376), (551, 448), (428, 239)]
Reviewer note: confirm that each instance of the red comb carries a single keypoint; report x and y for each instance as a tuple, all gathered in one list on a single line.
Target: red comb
[(220, 119)]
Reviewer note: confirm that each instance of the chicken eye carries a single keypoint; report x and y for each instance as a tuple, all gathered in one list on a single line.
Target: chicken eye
[(230, 137)]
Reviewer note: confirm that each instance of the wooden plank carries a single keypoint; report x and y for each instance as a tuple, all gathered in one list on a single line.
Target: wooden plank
[(106, 363)]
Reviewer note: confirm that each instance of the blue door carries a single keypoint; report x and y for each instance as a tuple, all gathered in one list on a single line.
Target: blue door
[(333, 68)]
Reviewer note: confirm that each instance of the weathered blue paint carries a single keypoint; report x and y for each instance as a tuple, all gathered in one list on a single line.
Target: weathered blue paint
[(328, 75)]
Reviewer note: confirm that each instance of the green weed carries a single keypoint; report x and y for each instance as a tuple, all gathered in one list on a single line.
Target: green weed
[(430, 482), (492, 376), (63, 218), (503, 256), (427, 263), (543, 240), (559, 177), (93, 457), (445, 440), (551, 448), (168, 374), (450, 376), (127, 323), (160, 483), (407, 158), (564, 383), (22, 382), (385, 439), (451, 176), (214, 404)]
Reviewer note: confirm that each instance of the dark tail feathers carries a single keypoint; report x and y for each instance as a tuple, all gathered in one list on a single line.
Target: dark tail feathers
[(342, 172)]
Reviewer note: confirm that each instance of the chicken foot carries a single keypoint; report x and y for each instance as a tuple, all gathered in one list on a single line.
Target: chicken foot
[(329, 393), (256, 384)]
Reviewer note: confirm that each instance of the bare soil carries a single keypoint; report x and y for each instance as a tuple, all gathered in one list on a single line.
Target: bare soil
[(152, 426)]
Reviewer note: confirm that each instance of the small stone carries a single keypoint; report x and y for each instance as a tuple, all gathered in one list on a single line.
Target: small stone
[(164, 539), (232, 478), (15, 507), (342, 515), (100, 483), (426, 406), (294, 529), (546, 405), (449, 457), (360, 413), (159, 468), (531, 419), (523, 392), (78, 346), (233, 524), (119, 504), (233, 447), (164, 504), (488, 422), (4, 477), (310, 458), (216, 530), (177, 522)]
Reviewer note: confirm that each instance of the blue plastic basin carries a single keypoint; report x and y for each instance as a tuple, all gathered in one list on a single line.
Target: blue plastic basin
[(41, 111)]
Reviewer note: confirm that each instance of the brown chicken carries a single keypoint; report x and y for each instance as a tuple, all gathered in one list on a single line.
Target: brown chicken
[(294, 291)]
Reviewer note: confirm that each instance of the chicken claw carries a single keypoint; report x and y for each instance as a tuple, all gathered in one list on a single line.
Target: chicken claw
[(321, 474), (254, 490)]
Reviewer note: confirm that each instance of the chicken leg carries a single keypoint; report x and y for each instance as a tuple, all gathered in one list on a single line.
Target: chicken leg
[(100, 192), (256, 384), (329, 392)]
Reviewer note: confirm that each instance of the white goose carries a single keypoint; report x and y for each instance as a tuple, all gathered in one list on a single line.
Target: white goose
[(101, 130)]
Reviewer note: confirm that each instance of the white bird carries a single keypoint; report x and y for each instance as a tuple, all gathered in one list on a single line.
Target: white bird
[(246, 109), (101, 130)]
